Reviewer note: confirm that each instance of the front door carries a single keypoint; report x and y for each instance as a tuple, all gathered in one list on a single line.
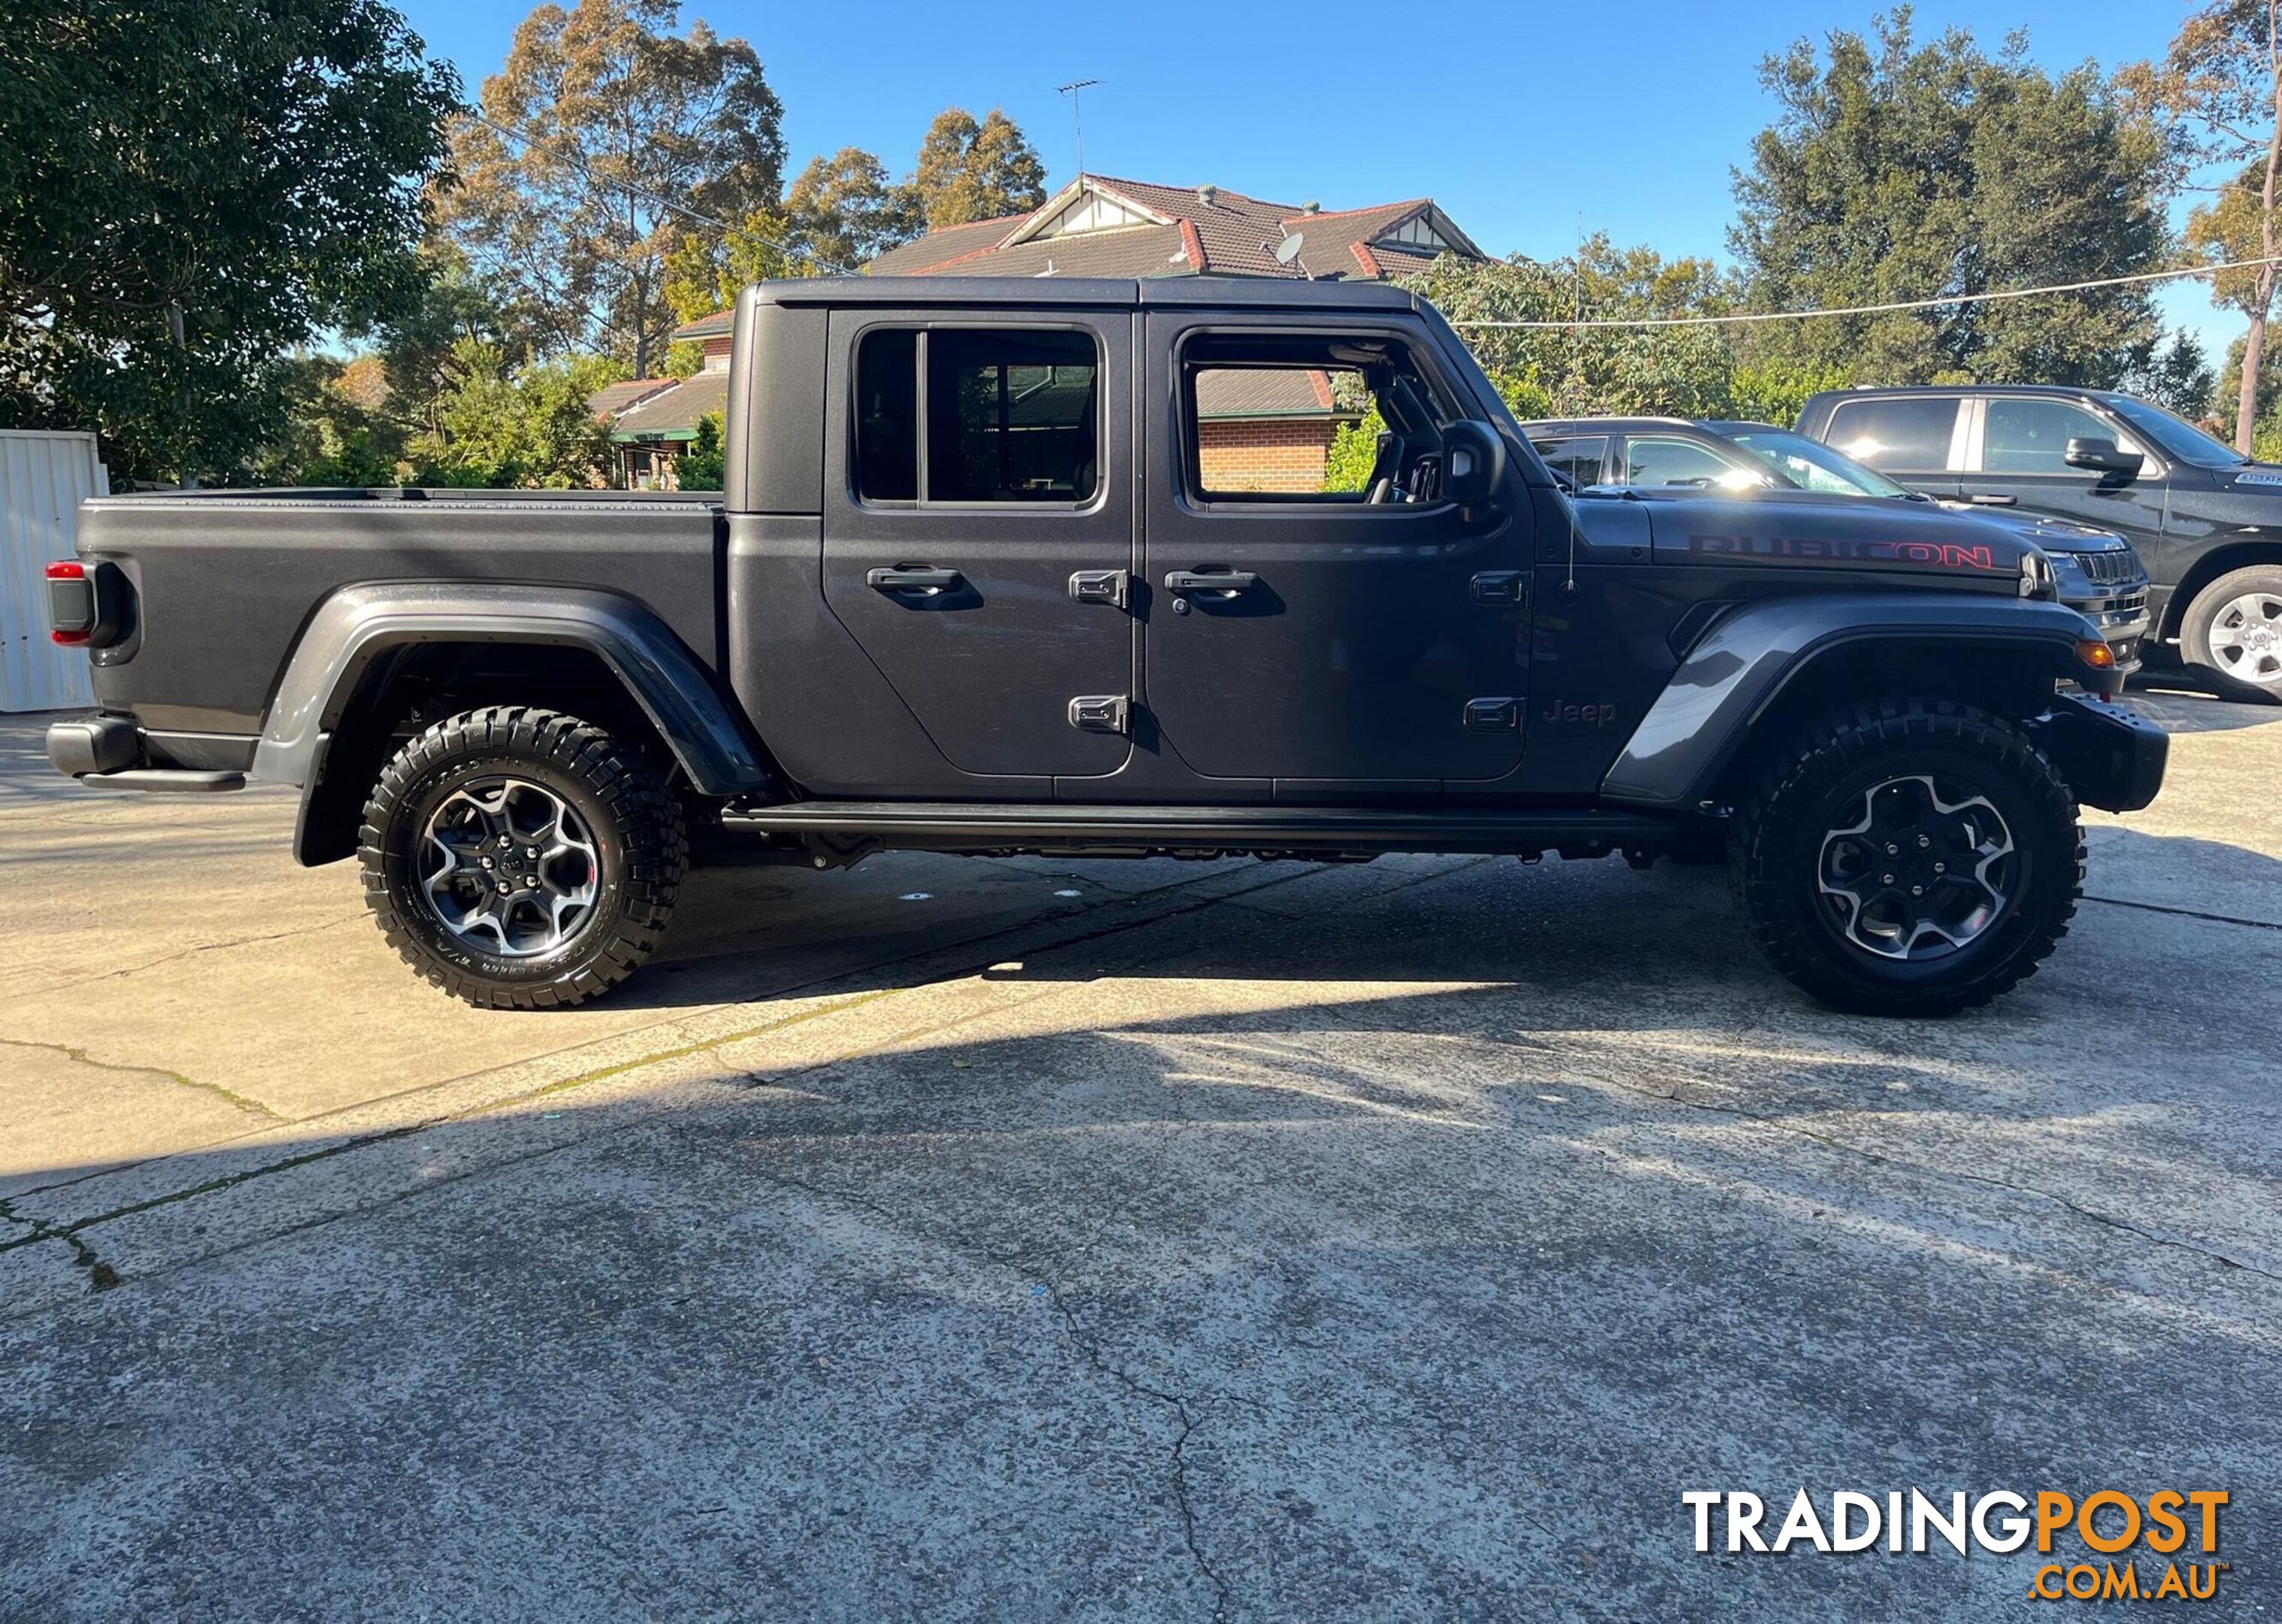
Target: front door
[(1369, 633), (978, 527), (2018, 456)]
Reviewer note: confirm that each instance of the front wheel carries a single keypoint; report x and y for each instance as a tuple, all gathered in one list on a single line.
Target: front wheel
[(1909, 858), (2233, 630), (521, 858)]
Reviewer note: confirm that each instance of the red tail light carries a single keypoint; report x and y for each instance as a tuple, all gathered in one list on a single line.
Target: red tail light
[(72, 615)]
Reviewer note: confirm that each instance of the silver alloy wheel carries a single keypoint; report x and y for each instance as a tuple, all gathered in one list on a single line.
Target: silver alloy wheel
[(1921, 873), (511, 868), (2245, 638)]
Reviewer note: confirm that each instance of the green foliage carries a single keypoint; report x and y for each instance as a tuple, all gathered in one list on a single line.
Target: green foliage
[(505, 427), (702, 467), (969, 171), (249, 168), (1564, 371), (2176, 375), (1900, 171), (337, 430), (1773, 390), (843, 211), (624, 118), (1355, 448)]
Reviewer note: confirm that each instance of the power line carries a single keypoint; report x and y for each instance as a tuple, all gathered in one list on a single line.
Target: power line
[(1909, 303)]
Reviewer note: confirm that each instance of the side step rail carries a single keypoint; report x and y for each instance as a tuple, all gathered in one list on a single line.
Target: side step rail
[(959, 826)]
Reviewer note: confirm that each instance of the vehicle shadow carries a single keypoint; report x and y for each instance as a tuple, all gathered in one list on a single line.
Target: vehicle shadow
[(2184, 700)]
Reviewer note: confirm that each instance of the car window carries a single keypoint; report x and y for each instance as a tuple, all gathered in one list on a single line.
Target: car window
[(2023, 436), (1575, 457), (1271, 429), (1814, 466), (1292, 416), (1011, 415), (1657, 459), (1904, 431)]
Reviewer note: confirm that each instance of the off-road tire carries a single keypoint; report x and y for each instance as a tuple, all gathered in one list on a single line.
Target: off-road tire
[(637, 833), (1802, 787), (2197, 627)]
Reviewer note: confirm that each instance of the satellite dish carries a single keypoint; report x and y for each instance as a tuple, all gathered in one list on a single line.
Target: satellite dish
[(1288, 250)]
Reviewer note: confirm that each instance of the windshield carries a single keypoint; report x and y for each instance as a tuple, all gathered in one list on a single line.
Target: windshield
[(1813, 465), (2176, 435)]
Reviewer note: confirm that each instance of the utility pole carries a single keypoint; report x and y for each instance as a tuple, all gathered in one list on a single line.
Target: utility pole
[(1077, 125)]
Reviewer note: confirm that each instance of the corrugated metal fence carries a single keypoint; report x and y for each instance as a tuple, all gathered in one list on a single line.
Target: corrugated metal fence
[(44, 476)]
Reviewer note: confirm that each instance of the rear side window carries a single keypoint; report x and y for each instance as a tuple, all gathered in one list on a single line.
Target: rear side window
[(1575, 457), (2031, 437), (1907, 432), (1009, 416)]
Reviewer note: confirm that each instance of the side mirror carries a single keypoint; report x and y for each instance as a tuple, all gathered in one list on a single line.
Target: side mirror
[(2101, 457), (1473, 464)]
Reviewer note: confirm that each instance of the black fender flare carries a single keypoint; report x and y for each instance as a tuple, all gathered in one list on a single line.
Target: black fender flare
[(1755, 655), (357, 625)]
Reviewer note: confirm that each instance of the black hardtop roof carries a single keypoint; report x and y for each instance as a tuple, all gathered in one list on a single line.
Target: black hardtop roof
[(1186, 292)]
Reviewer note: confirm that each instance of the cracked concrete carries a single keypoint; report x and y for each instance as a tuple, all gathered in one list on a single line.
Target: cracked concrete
[(1233, 1242)]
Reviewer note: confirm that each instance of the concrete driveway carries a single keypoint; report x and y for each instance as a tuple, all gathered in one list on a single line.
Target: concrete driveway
[(957, 1239)]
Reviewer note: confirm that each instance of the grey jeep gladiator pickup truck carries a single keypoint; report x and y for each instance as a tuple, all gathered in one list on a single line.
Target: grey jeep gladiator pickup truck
[(980, 581)]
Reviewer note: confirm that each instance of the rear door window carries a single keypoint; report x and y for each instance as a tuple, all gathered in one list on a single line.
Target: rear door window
[(1905, 432), (958, 415), (1575, 457)]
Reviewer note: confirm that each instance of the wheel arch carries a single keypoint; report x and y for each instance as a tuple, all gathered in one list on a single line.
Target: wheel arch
[(1765, 668), (2244, 553), (371, 653)]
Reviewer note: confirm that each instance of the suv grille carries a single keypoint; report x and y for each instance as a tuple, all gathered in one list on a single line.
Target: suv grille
[(2112, 569)]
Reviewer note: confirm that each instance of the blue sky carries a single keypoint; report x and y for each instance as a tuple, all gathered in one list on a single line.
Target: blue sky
[(1518, 118)]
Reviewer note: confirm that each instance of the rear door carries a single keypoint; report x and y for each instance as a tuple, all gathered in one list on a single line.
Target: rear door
[(1354, 644), (2016, 457), (978, 527)]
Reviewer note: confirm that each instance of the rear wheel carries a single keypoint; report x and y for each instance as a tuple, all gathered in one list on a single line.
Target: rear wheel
[(1909, 858), (2233, 630), (521, 858)]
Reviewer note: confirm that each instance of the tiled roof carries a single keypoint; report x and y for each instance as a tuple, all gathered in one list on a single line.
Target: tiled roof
[(607, 401), (675, 411), (1265, 392), (930, 252), (1230, 235), (1207, 232), (712, 326)]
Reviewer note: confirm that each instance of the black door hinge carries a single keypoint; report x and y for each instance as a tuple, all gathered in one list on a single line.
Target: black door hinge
[(1499, 587), (1500, 715), (1101, 713), (1110, 586)]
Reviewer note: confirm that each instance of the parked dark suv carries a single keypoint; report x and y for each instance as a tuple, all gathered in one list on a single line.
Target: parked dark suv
[(2095, 572), (2206, 520)]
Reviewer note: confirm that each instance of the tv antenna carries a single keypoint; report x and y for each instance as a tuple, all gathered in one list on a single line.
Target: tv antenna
[(1072, 90), (1287, 254)]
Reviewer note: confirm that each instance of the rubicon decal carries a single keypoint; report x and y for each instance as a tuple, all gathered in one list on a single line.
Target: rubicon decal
[(1834, 549), (2105, 1545)]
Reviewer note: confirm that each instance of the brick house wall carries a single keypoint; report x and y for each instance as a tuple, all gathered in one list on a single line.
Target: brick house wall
[(1264, 455)]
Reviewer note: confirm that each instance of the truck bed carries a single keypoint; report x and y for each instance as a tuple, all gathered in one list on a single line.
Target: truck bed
[(225, 581)]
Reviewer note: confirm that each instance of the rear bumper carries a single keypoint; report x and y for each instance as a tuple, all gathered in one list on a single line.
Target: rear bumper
[(2112, 757), (113, 752)]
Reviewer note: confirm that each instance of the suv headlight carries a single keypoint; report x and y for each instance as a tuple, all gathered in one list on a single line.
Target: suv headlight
[(2038, 580), (2069, 578)]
